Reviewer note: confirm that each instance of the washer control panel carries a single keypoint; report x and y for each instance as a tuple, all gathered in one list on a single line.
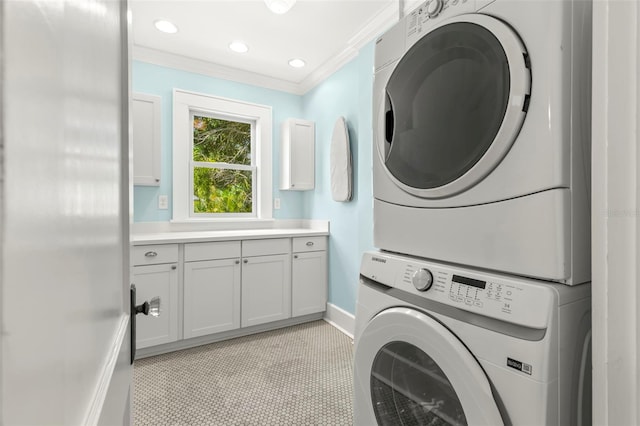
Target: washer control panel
[(422, 279), (517, 300)]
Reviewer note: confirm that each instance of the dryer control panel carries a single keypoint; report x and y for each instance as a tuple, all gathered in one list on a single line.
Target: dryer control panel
[(515, 300), (430, 13)]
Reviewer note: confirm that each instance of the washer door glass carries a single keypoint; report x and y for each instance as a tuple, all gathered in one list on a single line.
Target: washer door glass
[(409, 388), (409, 369), (454, 105)]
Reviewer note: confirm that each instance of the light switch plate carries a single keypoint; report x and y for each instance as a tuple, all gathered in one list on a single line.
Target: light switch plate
[(276, 203), (163, 202)]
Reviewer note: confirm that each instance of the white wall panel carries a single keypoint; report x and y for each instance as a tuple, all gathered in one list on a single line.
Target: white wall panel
[(615, 212)]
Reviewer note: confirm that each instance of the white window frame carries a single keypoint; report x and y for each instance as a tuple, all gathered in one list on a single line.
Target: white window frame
[(185, 105)]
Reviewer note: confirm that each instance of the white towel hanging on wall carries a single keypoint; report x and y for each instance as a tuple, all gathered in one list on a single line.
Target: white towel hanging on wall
[(340, 161)]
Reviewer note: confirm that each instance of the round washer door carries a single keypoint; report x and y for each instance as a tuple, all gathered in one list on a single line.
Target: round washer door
[(409, 369), (453, 106)]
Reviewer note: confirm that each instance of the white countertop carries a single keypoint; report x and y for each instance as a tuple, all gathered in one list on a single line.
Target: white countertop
[(148, 233), (202, 236)]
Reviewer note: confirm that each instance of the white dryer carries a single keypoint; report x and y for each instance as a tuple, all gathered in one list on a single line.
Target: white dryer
[(437, 345), (482, 134)]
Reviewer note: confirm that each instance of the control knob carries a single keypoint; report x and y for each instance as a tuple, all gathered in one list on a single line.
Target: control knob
[(434, 8), (422, 279)]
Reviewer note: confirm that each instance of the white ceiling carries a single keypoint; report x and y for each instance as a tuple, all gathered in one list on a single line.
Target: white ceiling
[(324, 33)]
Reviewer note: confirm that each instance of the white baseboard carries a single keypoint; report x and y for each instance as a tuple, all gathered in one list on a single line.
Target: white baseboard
[(340, 319), (225, 335)]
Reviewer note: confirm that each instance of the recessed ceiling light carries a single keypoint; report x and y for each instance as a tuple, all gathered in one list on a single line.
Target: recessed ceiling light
[(166, 26), (238, 46), (280, 6), (297, 63)]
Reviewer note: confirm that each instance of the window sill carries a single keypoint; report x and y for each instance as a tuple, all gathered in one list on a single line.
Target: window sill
[(223, 223)]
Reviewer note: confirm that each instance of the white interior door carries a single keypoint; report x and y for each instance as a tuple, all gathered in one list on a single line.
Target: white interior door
[(65, 207)]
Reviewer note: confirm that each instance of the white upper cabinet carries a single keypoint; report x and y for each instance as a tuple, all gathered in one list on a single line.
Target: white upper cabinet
[(146, 139), (298, 155)]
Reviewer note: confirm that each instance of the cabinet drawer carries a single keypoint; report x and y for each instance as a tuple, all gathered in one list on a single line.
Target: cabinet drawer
[(266, 247), (301, 244), (211, 251), (155, 254)]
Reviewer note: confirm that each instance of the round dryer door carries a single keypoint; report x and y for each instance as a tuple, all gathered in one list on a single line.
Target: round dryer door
[(453, 106), (409, 369)]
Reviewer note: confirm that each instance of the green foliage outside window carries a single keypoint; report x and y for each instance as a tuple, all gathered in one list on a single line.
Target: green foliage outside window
[(221, 190)]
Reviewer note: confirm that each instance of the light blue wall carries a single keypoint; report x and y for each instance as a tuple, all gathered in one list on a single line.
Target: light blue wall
[(160, 81), (346, 93)]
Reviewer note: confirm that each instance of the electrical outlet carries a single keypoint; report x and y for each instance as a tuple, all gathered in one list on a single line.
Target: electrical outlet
[(276, 203), (163, 202)]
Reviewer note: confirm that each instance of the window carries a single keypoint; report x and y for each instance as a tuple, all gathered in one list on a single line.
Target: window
[(221, 158), (222, 170)]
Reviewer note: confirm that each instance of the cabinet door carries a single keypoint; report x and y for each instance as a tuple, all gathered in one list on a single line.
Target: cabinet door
[(157, 281), (266, 289), (298, 151), (309, 283), (146, 139), (211, 297), (302, 155)]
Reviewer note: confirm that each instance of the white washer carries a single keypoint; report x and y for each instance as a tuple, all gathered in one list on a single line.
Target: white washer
[(482, 134), (472, 347)]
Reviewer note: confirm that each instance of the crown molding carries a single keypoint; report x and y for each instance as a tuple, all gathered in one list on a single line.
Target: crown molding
[(198, 66), (380, 22)]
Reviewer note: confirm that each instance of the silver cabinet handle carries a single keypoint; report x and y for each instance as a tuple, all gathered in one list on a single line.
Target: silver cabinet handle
[(237, 261), (246, 260), (295, 256), (309, 243), (151, 254), (174, 267)]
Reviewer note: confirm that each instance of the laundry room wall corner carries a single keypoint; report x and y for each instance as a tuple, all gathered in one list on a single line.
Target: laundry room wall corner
[(346, 93)]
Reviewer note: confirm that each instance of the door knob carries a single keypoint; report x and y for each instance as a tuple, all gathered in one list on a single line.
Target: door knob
[(151, 307), (154, 307)]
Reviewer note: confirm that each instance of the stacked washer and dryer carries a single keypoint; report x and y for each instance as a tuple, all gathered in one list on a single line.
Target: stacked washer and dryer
[(476, 308)]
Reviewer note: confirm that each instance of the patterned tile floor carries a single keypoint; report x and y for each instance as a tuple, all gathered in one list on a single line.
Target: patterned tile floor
[(300, 375)]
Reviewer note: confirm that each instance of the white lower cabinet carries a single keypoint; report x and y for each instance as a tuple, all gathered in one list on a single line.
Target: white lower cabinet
[(309, 283), (157, 281), (266, 289), (211, 288), (266, 281), (211, 297), (309, 275), (226, 286)]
